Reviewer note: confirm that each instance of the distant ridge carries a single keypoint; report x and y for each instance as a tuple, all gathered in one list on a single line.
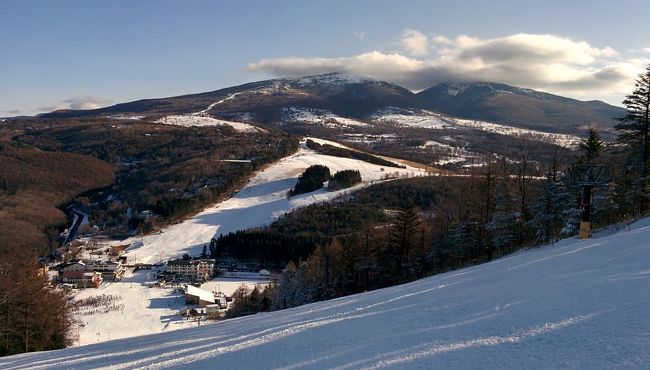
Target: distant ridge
[(358, 97)]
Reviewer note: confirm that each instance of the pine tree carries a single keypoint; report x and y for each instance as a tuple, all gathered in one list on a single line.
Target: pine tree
[(501, 227), (552, 211), (633, 131), (591, 146), (402, 239)]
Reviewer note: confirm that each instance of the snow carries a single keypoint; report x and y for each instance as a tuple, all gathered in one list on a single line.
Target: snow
[(201, 121), (202, 118), (202, 294), (405, 117), (434, 120), (331, 79), (572, 305), (145, 310), (205, 111), (558, 139), (318, 117), (228, 283), (260, 202), (126, 117)]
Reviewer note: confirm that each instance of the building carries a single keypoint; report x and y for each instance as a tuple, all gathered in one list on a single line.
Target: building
[(202, 269), (110, 270), (72, 266), (82, 279), (194, 295)]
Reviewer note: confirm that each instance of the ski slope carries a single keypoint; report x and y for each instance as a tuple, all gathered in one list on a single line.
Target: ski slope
[(574, 305), (155, 310), (260, 202)]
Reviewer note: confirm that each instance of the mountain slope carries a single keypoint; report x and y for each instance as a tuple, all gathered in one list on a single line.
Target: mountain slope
[(578, 304), (261, 102), (357, 97), (522, 107)]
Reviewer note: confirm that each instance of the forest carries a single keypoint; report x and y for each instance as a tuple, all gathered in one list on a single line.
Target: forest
[(402, 230), (114, 171)]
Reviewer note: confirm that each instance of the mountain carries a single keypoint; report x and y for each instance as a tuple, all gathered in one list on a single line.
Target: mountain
[(573, 305), (340, 93), (526, 108), (349, 96)]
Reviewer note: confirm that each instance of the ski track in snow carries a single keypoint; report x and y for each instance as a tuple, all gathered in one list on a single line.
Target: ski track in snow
[(202, 118), (562, 306)]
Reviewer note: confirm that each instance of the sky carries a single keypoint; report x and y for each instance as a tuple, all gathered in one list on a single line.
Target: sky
[(84, 54)]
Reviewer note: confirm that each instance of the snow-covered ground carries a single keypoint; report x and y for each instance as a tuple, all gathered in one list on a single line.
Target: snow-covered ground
[(230, 281), (570, 141), (261, 201), (574, 305), (318, 117), (142, 310), (404, 117), (434, 120), (196, 120)]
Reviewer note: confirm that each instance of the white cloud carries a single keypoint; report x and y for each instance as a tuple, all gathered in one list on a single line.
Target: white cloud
[(646, 50), (359, 34), (442, 40), (547, 62), (415, 42), (79, 102)]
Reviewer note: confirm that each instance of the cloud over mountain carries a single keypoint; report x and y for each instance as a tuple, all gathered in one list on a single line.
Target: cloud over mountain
[(79, 102), (541, 61)]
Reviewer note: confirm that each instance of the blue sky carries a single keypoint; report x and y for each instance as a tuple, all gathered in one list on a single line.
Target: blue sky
[(84, 54)]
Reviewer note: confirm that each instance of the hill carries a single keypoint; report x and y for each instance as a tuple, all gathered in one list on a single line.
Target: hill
[(520, 107), (577, 304)]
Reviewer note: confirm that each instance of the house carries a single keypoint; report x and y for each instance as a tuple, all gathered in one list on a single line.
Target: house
[(202, 269), (110, 270), (82, 279), (73, 266), (194, 295)]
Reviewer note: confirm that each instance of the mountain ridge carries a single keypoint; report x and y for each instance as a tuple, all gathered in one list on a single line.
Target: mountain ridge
[(360, 97)]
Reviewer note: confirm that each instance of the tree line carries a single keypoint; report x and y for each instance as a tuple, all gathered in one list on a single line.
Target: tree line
[(420, 227)]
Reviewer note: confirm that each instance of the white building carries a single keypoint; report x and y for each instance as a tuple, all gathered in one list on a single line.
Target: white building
[(192, 269)]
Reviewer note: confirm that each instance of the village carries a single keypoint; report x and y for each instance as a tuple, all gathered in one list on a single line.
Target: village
[(201, 288)]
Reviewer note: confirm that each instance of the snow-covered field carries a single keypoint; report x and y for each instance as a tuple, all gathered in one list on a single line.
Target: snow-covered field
[(574, 305), (196, 120), (318, 117), (228, 283), (261, 201), (404, 117), (143, 310), (434, 120)]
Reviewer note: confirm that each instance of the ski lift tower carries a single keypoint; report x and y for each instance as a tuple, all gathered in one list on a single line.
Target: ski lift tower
[(592, 176)]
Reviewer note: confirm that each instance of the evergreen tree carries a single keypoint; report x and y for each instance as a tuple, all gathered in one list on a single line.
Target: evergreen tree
[(312, 179), (591, 146), (633, 131), (403, 235), (501, 227), (553, 211)]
